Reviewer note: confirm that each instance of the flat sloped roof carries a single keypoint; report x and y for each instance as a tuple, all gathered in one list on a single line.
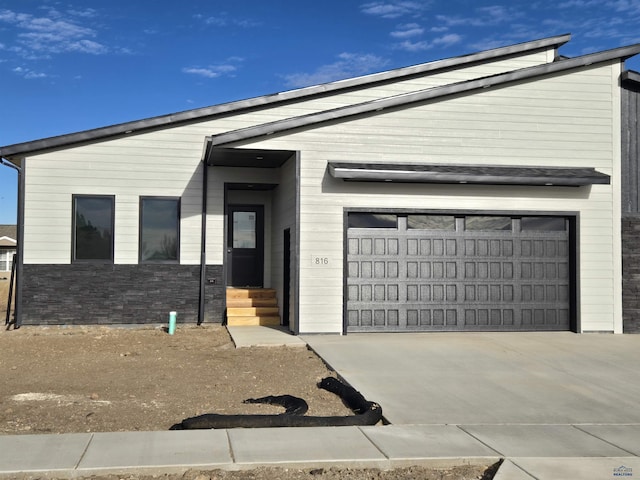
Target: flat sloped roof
[(313, 119), (190, 116), (467, 174)]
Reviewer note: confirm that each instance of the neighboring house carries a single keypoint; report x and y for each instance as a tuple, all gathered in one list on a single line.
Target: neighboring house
[(481, 192), (8, 243)]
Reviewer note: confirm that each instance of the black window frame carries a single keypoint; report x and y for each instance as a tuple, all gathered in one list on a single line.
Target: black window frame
[(178, 200), (74, 258)]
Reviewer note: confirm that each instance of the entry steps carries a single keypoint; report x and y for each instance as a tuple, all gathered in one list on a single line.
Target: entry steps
[(252, 306)]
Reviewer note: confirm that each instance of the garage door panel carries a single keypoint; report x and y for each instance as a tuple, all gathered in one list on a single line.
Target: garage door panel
[(411, 279)]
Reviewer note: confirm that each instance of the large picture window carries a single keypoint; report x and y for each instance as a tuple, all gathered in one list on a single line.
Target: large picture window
[(159, 229), (93, 219)]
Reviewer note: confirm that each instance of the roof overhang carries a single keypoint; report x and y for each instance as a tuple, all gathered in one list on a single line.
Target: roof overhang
[(245, 157), (7, 242), (631, 80), (190, 116), (428, 94), (467, 174)]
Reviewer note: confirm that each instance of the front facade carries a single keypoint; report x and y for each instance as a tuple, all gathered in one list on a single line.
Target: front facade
[(476, 193)]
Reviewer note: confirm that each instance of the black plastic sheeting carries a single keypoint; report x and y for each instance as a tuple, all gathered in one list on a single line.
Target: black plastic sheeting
[(366, 412)]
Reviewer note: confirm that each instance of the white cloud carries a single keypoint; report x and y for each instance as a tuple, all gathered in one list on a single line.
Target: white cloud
[(223, 20), (408, 30), (348, 65), (213, 71), (394, 8), (484, 17), (442, 42), (87, 13), (40, 36), (28, 73)]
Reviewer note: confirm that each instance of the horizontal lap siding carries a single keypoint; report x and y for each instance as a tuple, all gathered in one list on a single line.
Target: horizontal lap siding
[(550, 126), (109, 169), (166, 162)]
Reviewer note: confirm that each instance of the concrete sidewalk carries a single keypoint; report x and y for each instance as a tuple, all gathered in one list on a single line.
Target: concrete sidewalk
[(555, 405), (443, 393), (543, 452), (176, 451)]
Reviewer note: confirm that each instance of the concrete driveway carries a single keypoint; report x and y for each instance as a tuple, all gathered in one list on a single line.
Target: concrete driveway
[(491, 378)]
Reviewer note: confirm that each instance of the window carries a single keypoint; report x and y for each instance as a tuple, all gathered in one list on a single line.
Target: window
[(431, 222), (6, 260), (159, 229), (93, 218), (372, 220), (543, 224), (484, 223), (244, 230)]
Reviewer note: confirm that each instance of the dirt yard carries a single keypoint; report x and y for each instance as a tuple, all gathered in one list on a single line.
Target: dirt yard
[(106, 379), (4, 295)]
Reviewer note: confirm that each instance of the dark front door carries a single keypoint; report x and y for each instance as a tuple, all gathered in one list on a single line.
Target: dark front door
[(245, 246)]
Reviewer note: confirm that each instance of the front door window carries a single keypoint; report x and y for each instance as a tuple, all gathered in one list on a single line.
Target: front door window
[(244, 229)]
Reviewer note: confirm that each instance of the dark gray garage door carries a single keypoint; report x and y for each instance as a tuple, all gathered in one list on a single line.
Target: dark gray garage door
[(449, 272)]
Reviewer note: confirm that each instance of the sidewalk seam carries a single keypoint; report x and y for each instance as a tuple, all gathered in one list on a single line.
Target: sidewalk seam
[(483, 443), (84, 452), (389, 461), (604, 440), (233, 458)]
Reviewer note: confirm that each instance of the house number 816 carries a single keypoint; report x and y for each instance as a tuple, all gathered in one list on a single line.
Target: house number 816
[(319, 261)]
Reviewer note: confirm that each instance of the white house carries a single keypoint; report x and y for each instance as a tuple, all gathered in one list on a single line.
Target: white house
[(480, 192), (8, 242)]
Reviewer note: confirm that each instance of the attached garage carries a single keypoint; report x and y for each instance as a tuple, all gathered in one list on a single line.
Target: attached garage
[(459, 271)]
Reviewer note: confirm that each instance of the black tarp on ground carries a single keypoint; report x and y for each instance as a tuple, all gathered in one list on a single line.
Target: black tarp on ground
[(366, 412)]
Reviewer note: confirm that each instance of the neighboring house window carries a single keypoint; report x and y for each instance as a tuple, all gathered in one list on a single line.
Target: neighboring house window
[(93, 225), (159, 229), (6, 260)]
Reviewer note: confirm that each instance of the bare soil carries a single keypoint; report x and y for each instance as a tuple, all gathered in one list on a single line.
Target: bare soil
[(108, 379), (4, 295)]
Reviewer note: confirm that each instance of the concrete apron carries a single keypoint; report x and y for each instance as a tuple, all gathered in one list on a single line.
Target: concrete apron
[(554, 405), (491, 378)]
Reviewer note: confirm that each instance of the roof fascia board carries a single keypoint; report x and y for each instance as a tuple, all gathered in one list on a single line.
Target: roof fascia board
[(630, 75), (8, 238), (421, 95), (164, 121)]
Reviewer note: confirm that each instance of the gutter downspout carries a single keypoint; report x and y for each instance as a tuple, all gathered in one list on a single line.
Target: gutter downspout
[(20, 239), (203, 242)]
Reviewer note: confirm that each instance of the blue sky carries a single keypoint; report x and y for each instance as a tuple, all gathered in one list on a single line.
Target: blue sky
[(67, 67)]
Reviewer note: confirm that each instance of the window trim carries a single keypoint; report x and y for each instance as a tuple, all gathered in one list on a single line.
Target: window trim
[(140, 224), (74, 259)]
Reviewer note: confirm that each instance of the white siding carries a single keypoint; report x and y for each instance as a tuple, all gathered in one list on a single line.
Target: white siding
[(563, 120), (122, 168), (166, 162), (284, 216), (533, 123)]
